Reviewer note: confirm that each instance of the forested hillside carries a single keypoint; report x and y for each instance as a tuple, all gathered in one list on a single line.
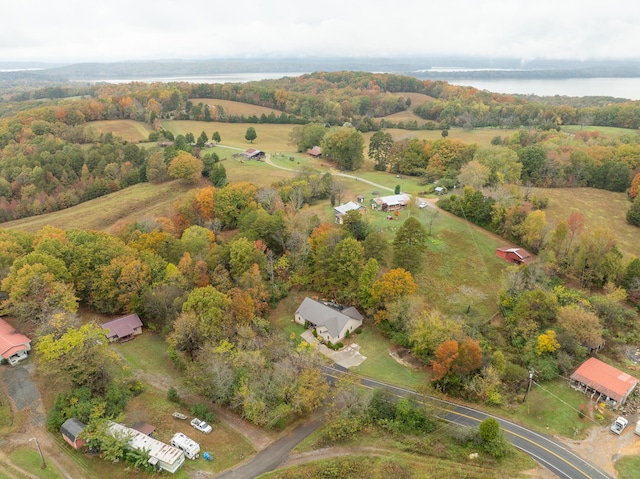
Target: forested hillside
[(207, 275)]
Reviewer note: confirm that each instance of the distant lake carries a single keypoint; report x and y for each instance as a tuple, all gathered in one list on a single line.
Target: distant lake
[(615, 87), (217, 78)]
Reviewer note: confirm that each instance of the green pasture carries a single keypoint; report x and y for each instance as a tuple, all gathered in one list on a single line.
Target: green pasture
[(601, 209), (604, 130)]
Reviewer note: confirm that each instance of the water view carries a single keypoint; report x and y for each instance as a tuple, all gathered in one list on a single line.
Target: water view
[(615, 87)]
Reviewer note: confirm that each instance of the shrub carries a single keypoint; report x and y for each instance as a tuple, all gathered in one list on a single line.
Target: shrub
[(338, 346), (173, 396), (359, 331), (201, 410), (348, 335)]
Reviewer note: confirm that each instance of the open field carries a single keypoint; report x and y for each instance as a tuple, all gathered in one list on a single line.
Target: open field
[(271, 137), (236, 107), (416, 98), (129, 130), (136, 202), (604, 130), (405, 116), (601, 209)]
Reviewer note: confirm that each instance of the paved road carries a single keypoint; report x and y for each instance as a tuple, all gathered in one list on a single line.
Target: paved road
[(551, 454), (275, 454)]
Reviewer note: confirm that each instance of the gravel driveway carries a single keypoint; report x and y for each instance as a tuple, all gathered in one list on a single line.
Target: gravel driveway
[(23, 391)]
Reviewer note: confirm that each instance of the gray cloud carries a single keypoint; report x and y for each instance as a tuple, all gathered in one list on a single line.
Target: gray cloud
[(76, 30)]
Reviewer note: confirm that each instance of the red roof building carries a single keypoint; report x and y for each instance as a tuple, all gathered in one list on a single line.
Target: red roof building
[(514, 255), (13, 346), (316, 152), (603, 382), (123, 329)]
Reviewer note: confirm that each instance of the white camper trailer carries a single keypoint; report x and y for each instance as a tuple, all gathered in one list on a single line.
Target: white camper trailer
[(187, 445), (637, 431)]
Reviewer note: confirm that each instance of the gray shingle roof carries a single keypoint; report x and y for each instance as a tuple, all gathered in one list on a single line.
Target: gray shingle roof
[(319, 314)]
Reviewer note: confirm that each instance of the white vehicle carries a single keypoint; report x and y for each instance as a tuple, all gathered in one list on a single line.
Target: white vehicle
[(201, 425), (423, 204), (187, 445), (618, 426), (637, 431)]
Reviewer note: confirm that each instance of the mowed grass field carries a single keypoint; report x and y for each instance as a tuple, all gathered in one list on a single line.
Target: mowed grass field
[(601, 209), (236, 107), (129, 130), (136, 202)]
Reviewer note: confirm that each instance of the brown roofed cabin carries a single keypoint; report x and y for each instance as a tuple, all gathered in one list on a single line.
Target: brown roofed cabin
[(70, 430), (603, 382), (514, 255), (315, 152), (123, 329)]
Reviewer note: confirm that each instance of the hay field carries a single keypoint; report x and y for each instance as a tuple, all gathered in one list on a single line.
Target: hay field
[(236, 107), (271, 137), (129, 130), (601, 209), (139, 201), (416, 98)]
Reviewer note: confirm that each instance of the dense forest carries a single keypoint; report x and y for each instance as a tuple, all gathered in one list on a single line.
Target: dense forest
[(206, 275)]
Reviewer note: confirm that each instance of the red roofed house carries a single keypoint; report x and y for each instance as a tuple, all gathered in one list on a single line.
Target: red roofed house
[(514, 255), (606, 382), (123, 329), (253, 154), (14, 347)]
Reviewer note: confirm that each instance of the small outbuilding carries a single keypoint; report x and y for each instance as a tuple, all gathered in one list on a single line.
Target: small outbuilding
[(71, 430), (253, 154), (123, 329), (144, 428), (603, 382), (514, 255), (315, 152), (14, 347)]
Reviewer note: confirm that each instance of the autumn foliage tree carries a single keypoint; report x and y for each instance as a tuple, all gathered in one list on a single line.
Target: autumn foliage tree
[(453, 358), (185, 167)]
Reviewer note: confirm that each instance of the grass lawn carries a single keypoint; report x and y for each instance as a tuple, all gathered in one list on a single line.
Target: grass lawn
[(148, 352), (628, 467), (29, 460), (605, 130), (381, 366), (601, 209), (553, 408)]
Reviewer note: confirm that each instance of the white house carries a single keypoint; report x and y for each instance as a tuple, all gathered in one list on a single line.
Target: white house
[(161, 455), (343, 209), (330, 323), (392, 202)]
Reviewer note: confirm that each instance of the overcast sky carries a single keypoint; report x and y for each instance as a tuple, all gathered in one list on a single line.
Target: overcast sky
[(105, 31)]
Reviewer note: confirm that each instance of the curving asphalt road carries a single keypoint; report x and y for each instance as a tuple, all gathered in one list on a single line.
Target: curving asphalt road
[(551, 454)]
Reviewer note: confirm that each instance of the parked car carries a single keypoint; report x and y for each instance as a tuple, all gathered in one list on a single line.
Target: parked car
[(618, 426), (423, 204), (201, 425)]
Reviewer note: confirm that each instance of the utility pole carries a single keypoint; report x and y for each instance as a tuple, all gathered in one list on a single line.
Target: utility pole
[(43, 465), (526, 395)]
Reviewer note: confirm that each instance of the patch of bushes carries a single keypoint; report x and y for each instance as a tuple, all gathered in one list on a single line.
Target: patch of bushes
[(201, 411), (173, 396)]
